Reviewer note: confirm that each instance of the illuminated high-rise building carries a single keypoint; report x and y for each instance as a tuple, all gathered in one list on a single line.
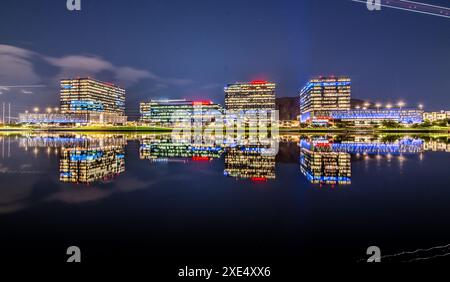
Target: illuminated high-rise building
[(255, 95), (322, 95), (90, 96)]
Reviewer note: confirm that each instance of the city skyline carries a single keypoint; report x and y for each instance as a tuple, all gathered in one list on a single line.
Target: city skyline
[(388, 54)]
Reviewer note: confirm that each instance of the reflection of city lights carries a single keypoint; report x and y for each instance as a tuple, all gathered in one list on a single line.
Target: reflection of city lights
[(35, 151)]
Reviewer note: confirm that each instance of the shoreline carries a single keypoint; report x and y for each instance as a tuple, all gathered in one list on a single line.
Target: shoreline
[(281, 130)]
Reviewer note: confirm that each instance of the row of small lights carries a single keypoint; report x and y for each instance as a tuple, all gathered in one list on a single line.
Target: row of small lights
[(48, 110), (365, 106), (400, 104)]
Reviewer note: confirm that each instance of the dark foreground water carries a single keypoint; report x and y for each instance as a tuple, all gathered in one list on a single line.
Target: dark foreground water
[(133, 197)]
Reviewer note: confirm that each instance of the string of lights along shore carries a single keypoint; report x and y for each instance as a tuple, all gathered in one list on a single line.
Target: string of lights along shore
[(323, 101)]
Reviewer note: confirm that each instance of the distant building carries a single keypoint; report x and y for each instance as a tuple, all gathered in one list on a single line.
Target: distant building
[(71, 118), (255, 95), (53, 118), (361, 117), (170, 113), (436, 116), (322, 95)]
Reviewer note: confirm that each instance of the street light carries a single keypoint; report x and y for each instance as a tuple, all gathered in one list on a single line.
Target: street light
[(378, 105), (389, 106), (36, 109), (49, 110), (56, 109), (420, 106), (366, 104), (358, 107)]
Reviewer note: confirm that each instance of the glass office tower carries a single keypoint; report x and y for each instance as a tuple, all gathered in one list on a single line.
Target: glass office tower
[(255, 95), (322, 95), (171, 113), (87, 95)]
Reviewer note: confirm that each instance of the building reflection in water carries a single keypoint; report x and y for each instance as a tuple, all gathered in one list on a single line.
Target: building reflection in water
[(162, 148), (249, 162), (83, 159), (86, 158), (324, 160), (241, 161), (90, 164), (321, 165)]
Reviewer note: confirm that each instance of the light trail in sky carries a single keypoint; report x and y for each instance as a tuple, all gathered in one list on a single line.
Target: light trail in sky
[(412, 6)]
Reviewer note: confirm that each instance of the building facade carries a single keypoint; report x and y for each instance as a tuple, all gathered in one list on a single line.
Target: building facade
[(369, 116), (103, 100), (436, 116), (322, 95), (255, 95), (173, 113)]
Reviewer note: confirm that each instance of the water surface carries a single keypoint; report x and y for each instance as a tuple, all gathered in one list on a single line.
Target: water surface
[(131, 196)]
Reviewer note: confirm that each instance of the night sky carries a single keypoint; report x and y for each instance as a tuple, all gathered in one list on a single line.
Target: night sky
[(192, 49)]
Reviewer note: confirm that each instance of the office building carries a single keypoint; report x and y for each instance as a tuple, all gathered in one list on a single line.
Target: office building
[(173, 113), (322, 95), (104, 102), (370, 116), (436, 116), (255, 95)]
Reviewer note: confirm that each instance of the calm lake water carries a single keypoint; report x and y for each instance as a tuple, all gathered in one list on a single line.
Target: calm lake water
[(132, 196)]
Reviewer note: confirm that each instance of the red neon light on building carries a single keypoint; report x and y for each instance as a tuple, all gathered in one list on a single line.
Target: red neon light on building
[(259, 82), (325, 145), (200, 159), (259, 179), (200, 103)]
